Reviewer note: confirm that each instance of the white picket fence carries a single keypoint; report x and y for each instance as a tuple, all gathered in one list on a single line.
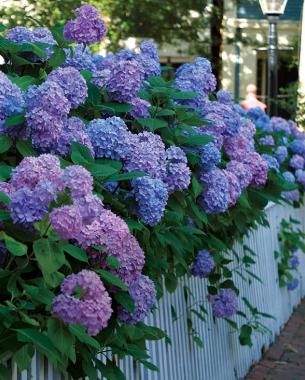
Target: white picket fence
[(222, 357)]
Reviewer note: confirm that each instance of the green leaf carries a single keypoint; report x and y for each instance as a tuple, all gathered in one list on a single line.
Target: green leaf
[(14, 247), (4, 198), (2, 27), (152, 124), (25, 148), (81, 154), (58, 57), (5, 143), (60, 335), (23, 357), (171, 282), (117, 107), (41, 342), (197, 139), (80, 333), (5, 172), (49, 255), (76, 252), (124, 299), (86, 74), (198, 341), (109, 370), (184, 95), (245, 335), (100, 170), (152, 333), (125, 176), (23, 82), (4, 215), (113, 262), (16, 119), (149, 365), (111, 279)]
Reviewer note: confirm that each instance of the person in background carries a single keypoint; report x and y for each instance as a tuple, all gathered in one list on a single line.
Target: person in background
[(251, 100)]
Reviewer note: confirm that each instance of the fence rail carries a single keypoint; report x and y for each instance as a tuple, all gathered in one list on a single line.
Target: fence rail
[(222, 358)]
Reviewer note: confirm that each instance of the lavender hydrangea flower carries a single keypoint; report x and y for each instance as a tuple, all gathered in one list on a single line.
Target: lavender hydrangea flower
[(149, 48), (224, 304), (72, 83), (91, 309), (151, 195), (174, 154), (78, 180), (293, 284), (272, 162), (289, 177), (234, 187), (178, 177), (140, 109), (281, 153), (259, 169), (210, 156), (147, 154), (294, 262), (87, 28), (267, 140), (295, 130), (293, 195), (81, 58), (11, 98), (203, 265), (125, 81), (224, 97), (66, 221), (90, 207), (280, 125), (241, 171), (297, 162), (19, 34), (215, 198), (110, 138), (238, 147), (300, 177), (143, 293)]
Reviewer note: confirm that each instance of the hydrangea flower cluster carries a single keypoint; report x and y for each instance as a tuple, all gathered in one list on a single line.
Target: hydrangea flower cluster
[(294, 262), (87, 28), (143, 293), (292, 285), (203, 264), (224, 304), (167, 170), (83, 300)]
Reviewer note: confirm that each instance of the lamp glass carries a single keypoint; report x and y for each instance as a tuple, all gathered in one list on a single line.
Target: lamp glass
[(273, 7)]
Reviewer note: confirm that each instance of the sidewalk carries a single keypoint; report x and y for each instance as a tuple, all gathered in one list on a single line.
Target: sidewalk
[(285, 360)]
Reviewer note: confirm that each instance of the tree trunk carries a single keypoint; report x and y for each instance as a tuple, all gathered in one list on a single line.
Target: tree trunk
[(216, 33)]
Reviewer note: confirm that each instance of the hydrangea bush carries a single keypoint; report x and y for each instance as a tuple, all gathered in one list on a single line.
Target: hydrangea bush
[(113, 182)]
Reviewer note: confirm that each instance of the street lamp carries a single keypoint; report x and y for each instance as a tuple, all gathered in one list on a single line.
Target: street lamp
[(273, 9)]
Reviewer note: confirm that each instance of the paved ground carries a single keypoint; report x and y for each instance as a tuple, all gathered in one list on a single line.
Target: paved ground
[(285, 360)]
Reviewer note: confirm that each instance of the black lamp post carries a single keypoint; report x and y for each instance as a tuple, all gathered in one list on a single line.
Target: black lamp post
[(273, 9)]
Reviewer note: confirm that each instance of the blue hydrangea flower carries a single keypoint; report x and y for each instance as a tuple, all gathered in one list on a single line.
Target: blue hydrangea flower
[(224, 304), (81, 58), (293, 284), (294, 262), (289, 177), (151, 195), (296, 162), (203, 265), (11, 98), (281, 153), (298, 147), (272, 162), (300, 176), (267, 140), (210, 156), (224, 97)]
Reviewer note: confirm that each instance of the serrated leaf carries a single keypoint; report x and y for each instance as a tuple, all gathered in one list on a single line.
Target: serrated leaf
[(152, 124), (81, 154), (125, 176), (23, 357), (111, 279), (109, 370), (113, 262), (23, 82), (124, 299), (49, 255), (25, 148), (58, 57), (100, 170), (60, 335), (80, 333), (14, 247)]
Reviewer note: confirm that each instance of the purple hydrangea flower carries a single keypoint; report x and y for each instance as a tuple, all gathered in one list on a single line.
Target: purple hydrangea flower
[(143, 293), (178, 177), (210, 156), (224, 304), (78, 180), (19, 34), (11, 98), (224, 97), (272, 162), (258, 167), (293, 195), (300, 176), (147, 154), (87, 28), (294, 262), (90, 207), (295, 131), (125, 80), (247, 128), (140, 109), (174, 154), (234, 187), (267, 140), (255, 113), (92, 308), (110, 138), (25, 208), (241, 171), (150, 49), (281, 153), (113, 233), (203, 265), (238, 147), (72, 83), (297, 162), (280, 125), (151, 195), (66, 221), (215, 197), (293, 284)]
